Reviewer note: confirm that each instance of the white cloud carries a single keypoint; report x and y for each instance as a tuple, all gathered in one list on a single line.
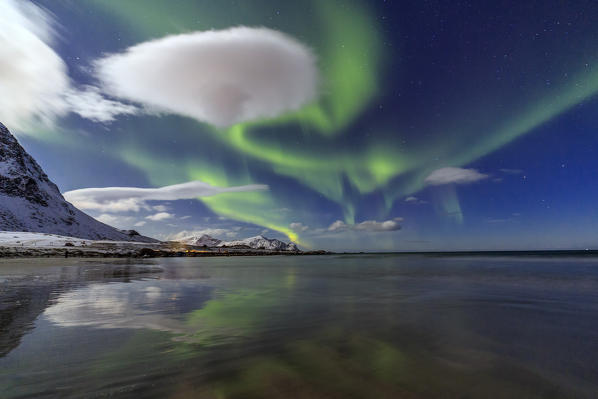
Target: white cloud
[(90, 203), (140, 223), (160, 208), (338, 225), (220, 77), (124, 199), (32, 75), (34, 78), (90, 104), (185, 217), (367, 226), (414, 200), (160, 216), (298, 227), (452, 175)]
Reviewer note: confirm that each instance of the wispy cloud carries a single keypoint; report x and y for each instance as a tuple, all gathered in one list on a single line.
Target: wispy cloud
[(32, 75), (126, 199), (160, 216), (299, 227), (34, 78), (89, 103), (452, 175), (414, 200), (367, 226)]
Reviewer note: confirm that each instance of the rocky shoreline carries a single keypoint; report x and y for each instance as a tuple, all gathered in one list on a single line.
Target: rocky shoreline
[(138, 252)]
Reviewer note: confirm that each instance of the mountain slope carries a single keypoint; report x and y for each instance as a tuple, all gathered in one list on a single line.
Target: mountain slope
[(29, 201), (261, 242), (203, 241), (257, 242)]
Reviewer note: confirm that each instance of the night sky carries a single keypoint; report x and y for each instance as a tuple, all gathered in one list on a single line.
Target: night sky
[(434, 125)]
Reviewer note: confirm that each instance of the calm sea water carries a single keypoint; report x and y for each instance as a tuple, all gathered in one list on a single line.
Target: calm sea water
[(362, 326)]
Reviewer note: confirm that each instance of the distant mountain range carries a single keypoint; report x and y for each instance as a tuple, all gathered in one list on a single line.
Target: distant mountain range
[(203, 241), (257, 242), (30, 201)]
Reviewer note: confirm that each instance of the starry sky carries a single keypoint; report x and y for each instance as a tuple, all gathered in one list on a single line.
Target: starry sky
[(434, 125)]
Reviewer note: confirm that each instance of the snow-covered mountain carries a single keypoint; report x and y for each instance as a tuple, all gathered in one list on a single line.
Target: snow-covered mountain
[(257, 242), (203, 241), (29, 201), (261, 242)]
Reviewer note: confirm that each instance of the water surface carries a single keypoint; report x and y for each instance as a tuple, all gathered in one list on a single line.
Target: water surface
[(343, 326)]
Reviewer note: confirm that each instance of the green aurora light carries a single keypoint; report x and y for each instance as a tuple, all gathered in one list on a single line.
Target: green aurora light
[(312, 146)]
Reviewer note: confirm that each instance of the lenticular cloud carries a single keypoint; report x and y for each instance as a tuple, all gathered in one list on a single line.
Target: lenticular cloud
[(220, 77), (452, 175), (124, 199)]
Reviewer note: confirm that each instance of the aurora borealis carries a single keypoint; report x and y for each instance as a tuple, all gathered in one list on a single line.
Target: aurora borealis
[(405, 89)]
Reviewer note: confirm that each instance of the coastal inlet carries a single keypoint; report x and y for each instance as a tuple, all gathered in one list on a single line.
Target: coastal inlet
[(336, 326)]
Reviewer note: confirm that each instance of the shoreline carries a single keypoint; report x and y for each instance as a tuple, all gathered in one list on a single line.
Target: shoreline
[(163, 250), (144, 252)]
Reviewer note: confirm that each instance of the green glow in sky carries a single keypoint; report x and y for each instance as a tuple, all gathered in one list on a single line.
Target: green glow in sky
[(349, 57), (323, 148)]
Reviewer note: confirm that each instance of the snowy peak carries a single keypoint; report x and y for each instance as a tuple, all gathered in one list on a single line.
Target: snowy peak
[(261, 242), (257, 242), (31, 202), (203, 241), (20, 175)]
